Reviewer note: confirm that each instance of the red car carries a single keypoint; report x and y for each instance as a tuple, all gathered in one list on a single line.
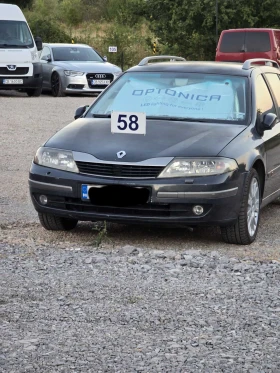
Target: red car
[(239, 45)]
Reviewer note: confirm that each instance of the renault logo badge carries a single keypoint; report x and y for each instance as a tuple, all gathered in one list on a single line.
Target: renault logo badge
[(121, 154)]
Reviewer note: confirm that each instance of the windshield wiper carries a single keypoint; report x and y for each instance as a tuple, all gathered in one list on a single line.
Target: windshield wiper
[(186, 119), (101, 115)]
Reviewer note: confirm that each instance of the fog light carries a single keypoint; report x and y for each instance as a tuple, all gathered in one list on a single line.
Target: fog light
[(43, 199), (198, 210)]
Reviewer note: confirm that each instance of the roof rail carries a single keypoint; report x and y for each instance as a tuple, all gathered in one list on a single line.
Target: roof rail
[(247, 64), (146, 60)]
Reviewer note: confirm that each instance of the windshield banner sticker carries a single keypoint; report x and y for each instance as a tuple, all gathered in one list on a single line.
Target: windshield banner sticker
[(213, 100)]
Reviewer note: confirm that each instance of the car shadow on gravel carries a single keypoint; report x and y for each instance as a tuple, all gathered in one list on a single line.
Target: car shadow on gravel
[(165, 236), (11, 93), (93, 236)]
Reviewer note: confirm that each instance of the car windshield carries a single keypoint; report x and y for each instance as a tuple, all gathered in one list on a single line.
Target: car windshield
[(75, 54), (189, 96), (15, 34)]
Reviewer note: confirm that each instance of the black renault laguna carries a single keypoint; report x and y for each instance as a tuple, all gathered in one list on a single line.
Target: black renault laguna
[(176, 142)]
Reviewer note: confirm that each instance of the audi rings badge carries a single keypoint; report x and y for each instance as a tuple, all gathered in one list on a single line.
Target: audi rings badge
[(100, 76)]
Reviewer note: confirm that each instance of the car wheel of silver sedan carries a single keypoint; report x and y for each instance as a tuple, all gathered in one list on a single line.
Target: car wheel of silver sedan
[(56, 85), (244, 231)]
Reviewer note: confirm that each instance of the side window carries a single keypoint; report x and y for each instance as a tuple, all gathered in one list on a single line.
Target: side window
[(274, 82), (45, 52), (264, 101), (26, 35)]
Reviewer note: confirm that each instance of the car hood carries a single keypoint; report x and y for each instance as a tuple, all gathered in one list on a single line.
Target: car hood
[(88, 67), (163, 139), (15, 56)]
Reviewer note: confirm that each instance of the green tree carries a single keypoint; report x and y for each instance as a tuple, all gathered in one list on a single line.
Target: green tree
[(123, 11), (21, 3), (45, 9), (132, 47), (94, 10), (188, 27), (71, 12), (48, 30)]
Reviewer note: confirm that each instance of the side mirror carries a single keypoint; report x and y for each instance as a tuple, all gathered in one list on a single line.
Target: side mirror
[(47, 58), (266, 123), (39, 43), (269, 121), (80, 111), (105, 58)]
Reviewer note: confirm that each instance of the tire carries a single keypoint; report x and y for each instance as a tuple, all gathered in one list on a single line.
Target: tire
[(276, 201), (244, 231), (56, 86), (34, 92), (56, 223)]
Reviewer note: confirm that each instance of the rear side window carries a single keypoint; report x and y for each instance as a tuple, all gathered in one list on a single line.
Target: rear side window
[(257, 41), (274, 82), (263, 98), (233, 42)]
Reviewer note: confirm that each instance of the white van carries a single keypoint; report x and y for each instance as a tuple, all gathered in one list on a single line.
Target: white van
[(20, 68)]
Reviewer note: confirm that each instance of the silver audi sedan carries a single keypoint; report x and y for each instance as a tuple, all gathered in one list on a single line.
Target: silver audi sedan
[(75, 68)]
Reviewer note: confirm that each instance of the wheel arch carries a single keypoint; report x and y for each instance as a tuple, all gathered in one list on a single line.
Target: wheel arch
[(259, 167)]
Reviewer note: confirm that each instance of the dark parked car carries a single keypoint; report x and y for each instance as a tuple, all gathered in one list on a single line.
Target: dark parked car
[(75, 68), (195, 143)]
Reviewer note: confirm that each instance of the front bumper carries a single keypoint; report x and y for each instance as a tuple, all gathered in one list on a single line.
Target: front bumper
[(80, 84), (32, 80), (171, 200)]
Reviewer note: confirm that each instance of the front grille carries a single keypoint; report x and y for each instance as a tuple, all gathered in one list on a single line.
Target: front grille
[(92, 76), (119, 170), (18, 71)]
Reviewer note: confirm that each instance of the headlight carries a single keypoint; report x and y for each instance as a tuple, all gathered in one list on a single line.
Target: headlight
[(34, 55), (181, 167), (73, 73), (56, 158), (118, 73)]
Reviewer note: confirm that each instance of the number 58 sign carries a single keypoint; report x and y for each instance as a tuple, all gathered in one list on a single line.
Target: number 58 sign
[(128, 122)]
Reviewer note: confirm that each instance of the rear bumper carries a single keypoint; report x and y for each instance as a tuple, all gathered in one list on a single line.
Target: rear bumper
[(171, 201)]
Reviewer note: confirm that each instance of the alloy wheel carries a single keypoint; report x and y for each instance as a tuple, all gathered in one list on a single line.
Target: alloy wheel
[(253, 209), (55, 84)]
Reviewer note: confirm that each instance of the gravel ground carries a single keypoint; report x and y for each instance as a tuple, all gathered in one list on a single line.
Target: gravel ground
[(144, 299)]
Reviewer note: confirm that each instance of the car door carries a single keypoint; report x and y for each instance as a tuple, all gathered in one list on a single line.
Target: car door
[(272, 140), (46, 61)]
